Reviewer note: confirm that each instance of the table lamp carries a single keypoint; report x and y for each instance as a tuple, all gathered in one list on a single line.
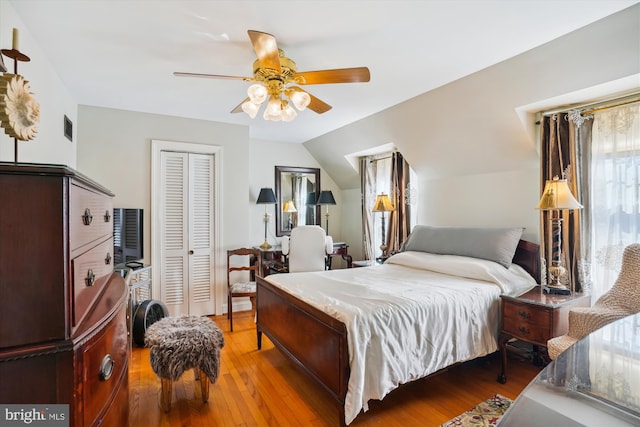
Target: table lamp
[(383, 204), (326, 198), (557, 196), (290, 208), (266, 197)]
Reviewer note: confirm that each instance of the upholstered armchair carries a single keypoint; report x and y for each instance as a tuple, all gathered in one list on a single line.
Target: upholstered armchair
[(307, 248), (621, 300)]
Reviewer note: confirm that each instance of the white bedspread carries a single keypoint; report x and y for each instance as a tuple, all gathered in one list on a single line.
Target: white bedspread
[(405, 321)]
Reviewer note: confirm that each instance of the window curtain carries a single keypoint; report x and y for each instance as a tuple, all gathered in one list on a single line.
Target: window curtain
[(562, 138), (614, 193), (368, 190), (400, 219)]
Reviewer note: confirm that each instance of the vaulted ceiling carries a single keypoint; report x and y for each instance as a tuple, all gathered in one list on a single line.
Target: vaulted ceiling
[(122, 54)]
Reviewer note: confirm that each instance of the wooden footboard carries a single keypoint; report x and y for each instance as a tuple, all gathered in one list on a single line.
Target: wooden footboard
[(312, 339)]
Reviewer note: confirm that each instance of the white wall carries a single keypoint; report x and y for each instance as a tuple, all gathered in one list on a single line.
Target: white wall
[(115, 149), (50, 145), (466, 140), (264, 156)]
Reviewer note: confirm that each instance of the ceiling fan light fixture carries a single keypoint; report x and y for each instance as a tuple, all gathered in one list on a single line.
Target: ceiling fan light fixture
[(274, 109), (250, 108), (257, 93), (300, 99), (288, 113)]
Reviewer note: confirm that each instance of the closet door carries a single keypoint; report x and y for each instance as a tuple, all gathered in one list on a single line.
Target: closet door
[(186, 233), (200, 231)]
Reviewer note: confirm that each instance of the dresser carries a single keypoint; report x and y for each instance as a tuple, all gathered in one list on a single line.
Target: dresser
[(63, 309)]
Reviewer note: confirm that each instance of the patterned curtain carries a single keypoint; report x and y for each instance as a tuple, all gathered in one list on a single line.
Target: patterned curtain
[(368, 191), (562, 138), (400, 219), (614, 193)]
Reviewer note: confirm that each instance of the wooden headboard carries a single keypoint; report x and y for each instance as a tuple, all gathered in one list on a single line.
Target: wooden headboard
[(528, 257)]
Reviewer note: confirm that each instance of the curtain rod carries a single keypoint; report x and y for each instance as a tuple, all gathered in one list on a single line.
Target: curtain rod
[(375, 159), (594, 107)]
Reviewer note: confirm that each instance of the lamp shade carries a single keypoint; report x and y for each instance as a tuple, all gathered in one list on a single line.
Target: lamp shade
[(266, 196), (311, 199), (557, 195), (326, 198), (289, 207), (383, 204)]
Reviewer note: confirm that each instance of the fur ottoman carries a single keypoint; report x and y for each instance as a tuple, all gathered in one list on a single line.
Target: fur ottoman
[(177, 344)]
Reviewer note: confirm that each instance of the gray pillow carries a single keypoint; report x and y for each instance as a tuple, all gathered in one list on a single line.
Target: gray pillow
[(494, 244)]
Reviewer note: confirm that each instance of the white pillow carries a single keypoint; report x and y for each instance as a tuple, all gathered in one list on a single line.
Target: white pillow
[(512, 281)]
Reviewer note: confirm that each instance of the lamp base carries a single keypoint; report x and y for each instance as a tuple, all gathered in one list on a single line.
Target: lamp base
[(265, 245), (556, 290)]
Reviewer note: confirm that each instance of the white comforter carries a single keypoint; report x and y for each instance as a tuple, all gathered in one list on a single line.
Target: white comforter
[(409, 317)]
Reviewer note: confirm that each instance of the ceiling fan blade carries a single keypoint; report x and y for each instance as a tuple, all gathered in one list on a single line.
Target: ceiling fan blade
[(315, 104), (213, 76), (238, 108), (341, 75), (266, 49)]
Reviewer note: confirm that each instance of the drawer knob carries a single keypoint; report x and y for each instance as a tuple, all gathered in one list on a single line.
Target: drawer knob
[(524, 315), (87, 217), (91, 278), (106, 367), (107, 259), (523, 330), (107, 216)]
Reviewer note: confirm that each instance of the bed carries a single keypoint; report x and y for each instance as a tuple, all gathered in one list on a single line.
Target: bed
[(362, 332)]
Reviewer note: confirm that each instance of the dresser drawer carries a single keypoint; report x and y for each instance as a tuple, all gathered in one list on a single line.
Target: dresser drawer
[(104, 365), (90, 272), (90, 217)]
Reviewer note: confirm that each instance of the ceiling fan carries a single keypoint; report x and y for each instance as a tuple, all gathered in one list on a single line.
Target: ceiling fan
[(276, 77)]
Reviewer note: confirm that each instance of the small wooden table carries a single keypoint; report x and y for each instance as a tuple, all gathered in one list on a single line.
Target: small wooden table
[(535, 318)]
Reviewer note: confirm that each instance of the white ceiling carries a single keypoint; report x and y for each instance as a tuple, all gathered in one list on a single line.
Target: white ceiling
[(122, 54)]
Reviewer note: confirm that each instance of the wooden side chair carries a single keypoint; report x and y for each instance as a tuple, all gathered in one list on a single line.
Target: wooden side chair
[(243, 259)]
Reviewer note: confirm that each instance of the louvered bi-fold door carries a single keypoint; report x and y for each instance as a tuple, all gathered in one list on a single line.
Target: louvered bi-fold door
[(187, 267)]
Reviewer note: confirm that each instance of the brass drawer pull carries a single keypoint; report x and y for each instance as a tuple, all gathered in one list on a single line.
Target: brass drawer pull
[(90, 279), (107, 216), (523, 330), (87, 217), (107, 259), (524, 315), (106, 367)]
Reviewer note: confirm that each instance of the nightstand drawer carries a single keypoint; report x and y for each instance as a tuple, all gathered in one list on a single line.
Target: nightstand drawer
[(528, 332), (533, 315)]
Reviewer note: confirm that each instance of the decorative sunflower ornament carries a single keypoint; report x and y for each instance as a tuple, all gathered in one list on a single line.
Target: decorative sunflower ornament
[(19, 110)]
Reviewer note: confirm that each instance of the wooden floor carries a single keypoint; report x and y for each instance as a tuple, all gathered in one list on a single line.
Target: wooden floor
[(262, 388)]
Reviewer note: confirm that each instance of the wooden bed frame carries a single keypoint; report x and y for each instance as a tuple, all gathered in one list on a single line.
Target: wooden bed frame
[(317, 342)]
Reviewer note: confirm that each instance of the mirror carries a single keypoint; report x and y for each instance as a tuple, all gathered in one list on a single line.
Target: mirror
[(297, 190)]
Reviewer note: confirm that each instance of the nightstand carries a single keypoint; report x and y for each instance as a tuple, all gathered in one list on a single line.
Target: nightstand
[(535, 318)]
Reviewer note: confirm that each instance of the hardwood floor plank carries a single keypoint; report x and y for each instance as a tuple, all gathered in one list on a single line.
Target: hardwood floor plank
[(263, 388)]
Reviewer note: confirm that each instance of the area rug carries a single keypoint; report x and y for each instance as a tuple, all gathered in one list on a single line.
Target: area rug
[(485, 414)]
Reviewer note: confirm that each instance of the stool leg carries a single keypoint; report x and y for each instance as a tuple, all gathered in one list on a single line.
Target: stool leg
[(165, 399), (204, 384)]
